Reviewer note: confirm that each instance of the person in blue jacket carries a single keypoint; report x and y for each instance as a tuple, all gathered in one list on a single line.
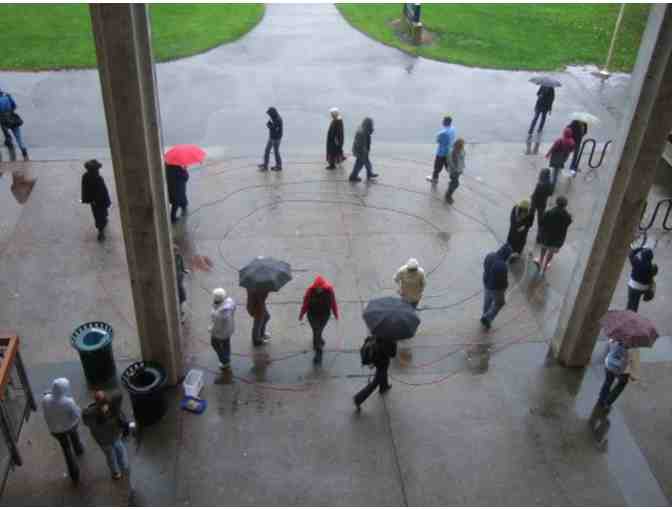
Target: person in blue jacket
[(445, 140), (10, 121), (642, 276), (495, 281)]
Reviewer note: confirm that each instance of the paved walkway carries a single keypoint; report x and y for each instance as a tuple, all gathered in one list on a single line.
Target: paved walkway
[(305, 59)]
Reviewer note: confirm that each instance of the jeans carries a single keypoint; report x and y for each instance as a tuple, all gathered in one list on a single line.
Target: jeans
[(555, 171), (537, 113), (493, 301), (454, 183), (17, 136), (69, 441), (440, 162), (633, 298), (379, 381), (275, 144), (359, 163), (317, 324), (116, 456), (222, 347), (607, 395), (259, 328)]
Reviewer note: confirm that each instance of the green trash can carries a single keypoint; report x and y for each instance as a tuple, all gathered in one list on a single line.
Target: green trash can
[(93, 342), (145, 382)]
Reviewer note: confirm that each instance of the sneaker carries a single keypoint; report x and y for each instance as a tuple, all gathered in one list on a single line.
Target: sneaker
[(485, 322), (266, 336), (372, 176), (262, 168), (101, 236), (24, 152), (276, 168), (357, 406), (355, 179), (116, 476), (431, 179), (330, 167), (572, 173), (224, 366), (449, 199), (385, 389)]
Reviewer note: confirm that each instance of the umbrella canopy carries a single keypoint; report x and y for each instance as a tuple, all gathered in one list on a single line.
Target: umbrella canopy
[(184, 155), (545, 81), (586, 117), (629, 328), (391, 318), (265, 274)]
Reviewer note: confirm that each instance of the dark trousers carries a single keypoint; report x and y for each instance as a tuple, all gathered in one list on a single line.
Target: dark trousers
[(275, 145), (537, 113), (555, 171), (99, 216), (222, 347), (173, 211), (259, 328), (317, 324), (379, 381), (359, 163), (607, 395), (575, 157), (440, 162), (453, 185), (69, 441), (335, 157), (633, 298), (539, 212)]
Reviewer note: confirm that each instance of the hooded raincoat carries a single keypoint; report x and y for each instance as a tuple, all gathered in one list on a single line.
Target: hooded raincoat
[(411, 283), (522, 219), (222, 317), (335, 139), (495, 270), (319, 299), (561, 149), (60, 410)]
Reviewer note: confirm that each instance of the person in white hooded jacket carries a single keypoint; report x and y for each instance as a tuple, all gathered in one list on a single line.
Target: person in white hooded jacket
[(411, 280), (62, 415), (222, 326)]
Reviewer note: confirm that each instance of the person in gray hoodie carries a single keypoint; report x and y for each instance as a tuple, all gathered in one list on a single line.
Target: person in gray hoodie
[(361, 148), (62, 415), (222, 326)]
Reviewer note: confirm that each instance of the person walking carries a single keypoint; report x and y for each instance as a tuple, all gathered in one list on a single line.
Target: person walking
[(335, 140), (543, 107), (94, 192), (554, 227), (411, 281), (579, 130), (319, 302), (256, 307), (275, 132), (445, 139), (559, 153), (384, 352), (222, 326), (539, 198), (521, 221), (180, 272), (361, 149), (176, 179), (108, 424), (62, 415), (11, 121), (495, 282), (620, 365), (642, 276), (455, 168)]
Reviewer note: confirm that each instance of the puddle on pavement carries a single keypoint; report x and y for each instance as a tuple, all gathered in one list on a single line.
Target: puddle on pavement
[(478, 358)]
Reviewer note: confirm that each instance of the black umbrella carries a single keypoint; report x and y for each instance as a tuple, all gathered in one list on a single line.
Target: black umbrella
[(546, 81), (265, 274), (391, 318)]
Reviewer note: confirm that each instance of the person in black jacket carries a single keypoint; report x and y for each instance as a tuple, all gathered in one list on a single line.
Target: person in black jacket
[(539, 199), (642, 275), (543, 107), (554, 227), (361, 149), (521, 220), (176, 179), (275, 133), (579, 130), (495, 282), (94, 192), (335, 139), (385, 350)]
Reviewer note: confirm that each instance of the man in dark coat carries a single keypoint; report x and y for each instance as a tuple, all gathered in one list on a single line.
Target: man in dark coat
[(641, 277), (361, 148), (495, 281), (545, 97), (275, 133), (521, 222), (554, 227), (542, 191), (385, 350), (94, 192), (579, 130), (176, 179), (335, 139)]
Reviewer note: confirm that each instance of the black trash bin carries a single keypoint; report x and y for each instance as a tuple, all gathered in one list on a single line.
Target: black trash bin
[(145, 382), (93, 342)]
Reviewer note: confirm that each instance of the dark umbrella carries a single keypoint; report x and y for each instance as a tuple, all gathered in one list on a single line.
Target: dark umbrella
[(629, 328), (545, 81), (265, 274), (391, 318)]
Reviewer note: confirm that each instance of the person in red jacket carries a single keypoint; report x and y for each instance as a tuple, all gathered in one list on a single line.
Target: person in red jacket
[(319, 302), (559, 153)]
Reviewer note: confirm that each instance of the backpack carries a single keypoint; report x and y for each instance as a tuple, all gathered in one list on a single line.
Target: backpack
[(369, 351), (617, 358)]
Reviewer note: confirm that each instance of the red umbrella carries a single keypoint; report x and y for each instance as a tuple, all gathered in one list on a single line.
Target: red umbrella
[(184, 155), (629, 328)]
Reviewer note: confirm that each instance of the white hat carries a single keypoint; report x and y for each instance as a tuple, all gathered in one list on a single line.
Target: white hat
[(334, 110), (412, 264), (218, 295)]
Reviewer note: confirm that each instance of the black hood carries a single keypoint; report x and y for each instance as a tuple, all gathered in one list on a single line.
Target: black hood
[(272, 112)]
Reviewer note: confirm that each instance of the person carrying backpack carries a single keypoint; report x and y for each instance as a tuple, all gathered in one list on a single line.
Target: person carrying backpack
[(319, 302), (377, 352), (10, 121)]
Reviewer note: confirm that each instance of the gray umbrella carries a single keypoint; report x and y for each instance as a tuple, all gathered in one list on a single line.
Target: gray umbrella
[(391, 318), (545, 81), (265, 274)]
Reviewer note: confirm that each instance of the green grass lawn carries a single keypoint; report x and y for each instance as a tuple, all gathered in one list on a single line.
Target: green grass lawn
[(58, 36), (504, 36)]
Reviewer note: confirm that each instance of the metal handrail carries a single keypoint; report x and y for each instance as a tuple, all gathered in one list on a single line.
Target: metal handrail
[(667, 222), (593, 166)]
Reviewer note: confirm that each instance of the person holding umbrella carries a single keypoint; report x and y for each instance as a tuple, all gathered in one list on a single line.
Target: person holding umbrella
[(94, 192), (335, 139), (384, 351), (177, 160), (544, 104), (319, 302)]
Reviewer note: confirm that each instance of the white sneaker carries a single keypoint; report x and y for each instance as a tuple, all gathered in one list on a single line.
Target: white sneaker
[(429, 178), (573, 173), (266, 337)]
